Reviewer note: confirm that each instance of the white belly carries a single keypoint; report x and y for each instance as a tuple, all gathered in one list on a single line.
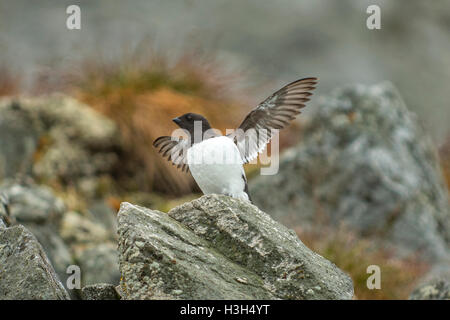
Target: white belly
[(216, 166)]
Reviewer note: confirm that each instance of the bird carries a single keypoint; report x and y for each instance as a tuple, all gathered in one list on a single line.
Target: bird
[(216, 161), (4, 201)]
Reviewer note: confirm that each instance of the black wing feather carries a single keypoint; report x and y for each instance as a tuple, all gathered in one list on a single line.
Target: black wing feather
[(174, 149)]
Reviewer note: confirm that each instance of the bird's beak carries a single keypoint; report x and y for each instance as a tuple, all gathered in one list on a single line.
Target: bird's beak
[(176, 120)]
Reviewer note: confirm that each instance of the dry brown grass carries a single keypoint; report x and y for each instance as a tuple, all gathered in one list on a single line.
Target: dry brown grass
[(353, 255), (142, 93), (10, 82), (444, 154)]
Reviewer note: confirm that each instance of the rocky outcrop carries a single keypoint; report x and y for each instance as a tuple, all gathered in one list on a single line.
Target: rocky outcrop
[(435, 290), (99, 291), (435, 285), (364, 161), (94, 248), (102, 214), (56, 138), (19, 135), (37, 208), (67, 237), (33, 204), (217, 247), (99, 263), (25, 271)]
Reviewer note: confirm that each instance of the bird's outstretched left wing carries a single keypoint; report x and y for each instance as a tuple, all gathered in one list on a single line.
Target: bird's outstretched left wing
[(174, 149), (275, 112)]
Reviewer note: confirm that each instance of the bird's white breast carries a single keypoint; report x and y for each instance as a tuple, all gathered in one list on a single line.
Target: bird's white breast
[(216, 166)]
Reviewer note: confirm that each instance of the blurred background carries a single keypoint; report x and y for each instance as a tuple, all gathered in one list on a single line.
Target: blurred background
[(93, 100), (269, 43)]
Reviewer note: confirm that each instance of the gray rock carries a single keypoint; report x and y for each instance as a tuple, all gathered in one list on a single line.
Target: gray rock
[(31, 203), (99, 263), (93, 246), (217, 247), (104, 215), (67, 238), (99, 291), (19, 136), (38, 209), (435, 290), (82, 140), (25, 271), (365, 162), (57, 251), (434, 285), (57, 139), (77, 229)]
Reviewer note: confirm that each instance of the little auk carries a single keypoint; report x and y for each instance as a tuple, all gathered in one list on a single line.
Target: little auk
[(216, 161)]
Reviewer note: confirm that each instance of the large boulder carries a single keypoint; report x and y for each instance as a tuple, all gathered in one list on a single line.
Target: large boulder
[(217, 247), (25, 271), (57, 139), (41, 212), (364, 161), (68, 238)]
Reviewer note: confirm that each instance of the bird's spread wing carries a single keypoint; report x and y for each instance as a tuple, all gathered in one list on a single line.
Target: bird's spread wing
[(272, 114), (174, 149)]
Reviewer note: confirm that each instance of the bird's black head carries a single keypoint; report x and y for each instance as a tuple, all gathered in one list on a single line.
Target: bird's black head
[(191, 122)]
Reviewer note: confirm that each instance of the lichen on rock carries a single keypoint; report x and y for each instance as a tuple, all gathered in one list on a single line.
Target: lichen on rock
[(25, 271)]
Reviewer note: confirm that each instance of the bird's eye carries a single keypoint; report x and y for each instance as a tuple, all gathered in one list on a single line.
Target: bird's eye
[(189, 118)]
